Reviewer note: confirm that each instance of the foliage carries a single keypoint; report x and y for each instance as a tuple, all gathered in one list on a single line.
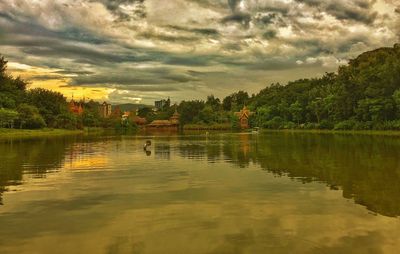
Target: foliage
[(49, 103), (7, 117), (365, 94), (29, 117), (66, 120), (235, 123)]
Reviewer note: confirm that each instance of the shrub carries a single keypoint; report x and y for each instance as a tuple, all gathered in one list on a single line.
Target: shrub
[(311, 126), (326, 125), (275, 123), (29, 117), (345, 125), (66, 120), (289, 125)]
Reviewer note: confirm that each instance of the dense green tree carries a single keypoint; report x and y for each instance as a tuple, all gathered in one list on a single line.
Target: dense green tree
[(296, 111), (66, 120), (49, 103), (7, 117), (145, 112), (29, 117), (190, 110), (213, 102)]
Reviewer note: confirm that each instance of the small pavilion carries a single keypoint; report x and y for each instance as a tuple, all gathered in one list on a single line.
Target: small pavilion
[(244, 116)]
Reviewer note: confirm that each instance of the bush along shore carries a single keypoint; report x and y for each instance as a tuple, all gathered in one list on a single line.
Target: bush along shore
[(21, 133)]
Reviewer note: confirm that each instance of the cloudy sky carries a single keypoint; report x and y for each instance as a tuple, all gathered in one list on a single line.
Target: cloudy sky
[(142, 50)]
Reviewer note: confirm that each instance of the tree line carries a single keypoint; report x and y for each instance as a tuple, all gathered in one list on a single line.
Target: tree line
[(37, 108), (362, 95)]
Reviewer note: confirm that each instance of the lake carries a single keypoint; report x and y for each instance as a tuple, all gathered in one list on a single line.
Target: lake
[(220, 193)]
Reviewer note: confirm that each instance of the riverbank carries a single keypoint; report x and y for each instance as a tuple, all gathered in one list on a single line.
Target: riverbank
[(347, 132), (19, 133), (198, 127)]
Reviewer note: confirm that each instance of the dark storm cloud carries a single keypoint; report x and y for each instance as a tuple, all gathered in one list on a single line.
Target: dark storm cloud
[(270, 34), (201, 31), (358, 10), (117, 8), (272, 64), (357, 14), (74, 72), (179, 45), (169, 38), (135, 77), (38, 34), (238, 17), (233, 4)]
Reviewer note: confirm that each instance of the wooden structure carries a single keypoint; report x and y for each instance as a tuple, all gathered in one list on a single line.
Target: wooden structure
[(171, 124), (244, 116)]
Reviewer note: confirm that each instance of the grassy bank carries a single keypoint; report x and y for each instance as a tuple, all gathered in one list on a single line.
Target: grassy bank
[(348, 132), (17, 133), (197, 127)]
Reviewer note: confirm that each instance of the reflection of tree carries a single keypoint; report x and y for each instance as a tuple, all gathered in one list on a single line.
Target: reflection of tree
[(162, 151), (35, 157), (366, 168)]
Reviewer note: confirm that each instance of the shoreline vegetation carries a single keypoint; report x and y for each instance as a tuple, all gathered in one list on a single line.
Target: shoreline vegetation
[(6, 133), (48, 133), (341, 132), (361, 97), (23, 133)]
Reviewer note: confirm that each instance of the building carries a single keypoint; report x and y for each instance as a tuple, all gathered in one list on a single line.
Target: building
[(244, 116), (162, 104), (75, 107), (171, 124), (105, 110)]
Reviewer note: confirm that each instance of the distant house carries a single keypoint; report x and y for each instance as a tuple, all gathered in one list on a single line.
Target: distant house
[(171, 124), (75, 107), (162, 104), (244, 116), (105, 110)]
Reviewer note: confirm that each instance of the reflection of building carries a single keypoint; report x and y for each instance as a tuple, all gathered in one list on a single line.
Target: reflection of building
[(162, 104), (105, 110), (244, 116), (172, 123), (75, 107)]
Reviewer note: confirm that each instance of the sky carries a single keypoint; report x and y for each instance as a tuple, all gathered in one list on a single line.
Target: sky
[(138, 51)]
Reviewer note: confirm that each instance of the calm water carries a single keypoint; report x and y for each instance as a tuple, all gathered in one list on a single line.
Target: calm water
[(225, 193)]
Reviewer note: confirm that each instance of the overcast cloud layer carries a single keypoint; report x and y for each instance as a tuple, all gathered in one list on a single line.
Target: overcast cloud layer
[(142, 50)]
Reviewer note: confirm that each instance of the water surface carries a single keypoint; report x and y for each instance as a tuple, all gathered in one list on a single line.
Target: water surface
[(221, 193)]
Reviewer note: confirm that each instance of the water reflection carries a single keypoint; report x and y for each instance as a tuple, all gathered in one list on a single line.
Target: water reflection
[(32, 157), (366, 168), (221, 193)]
